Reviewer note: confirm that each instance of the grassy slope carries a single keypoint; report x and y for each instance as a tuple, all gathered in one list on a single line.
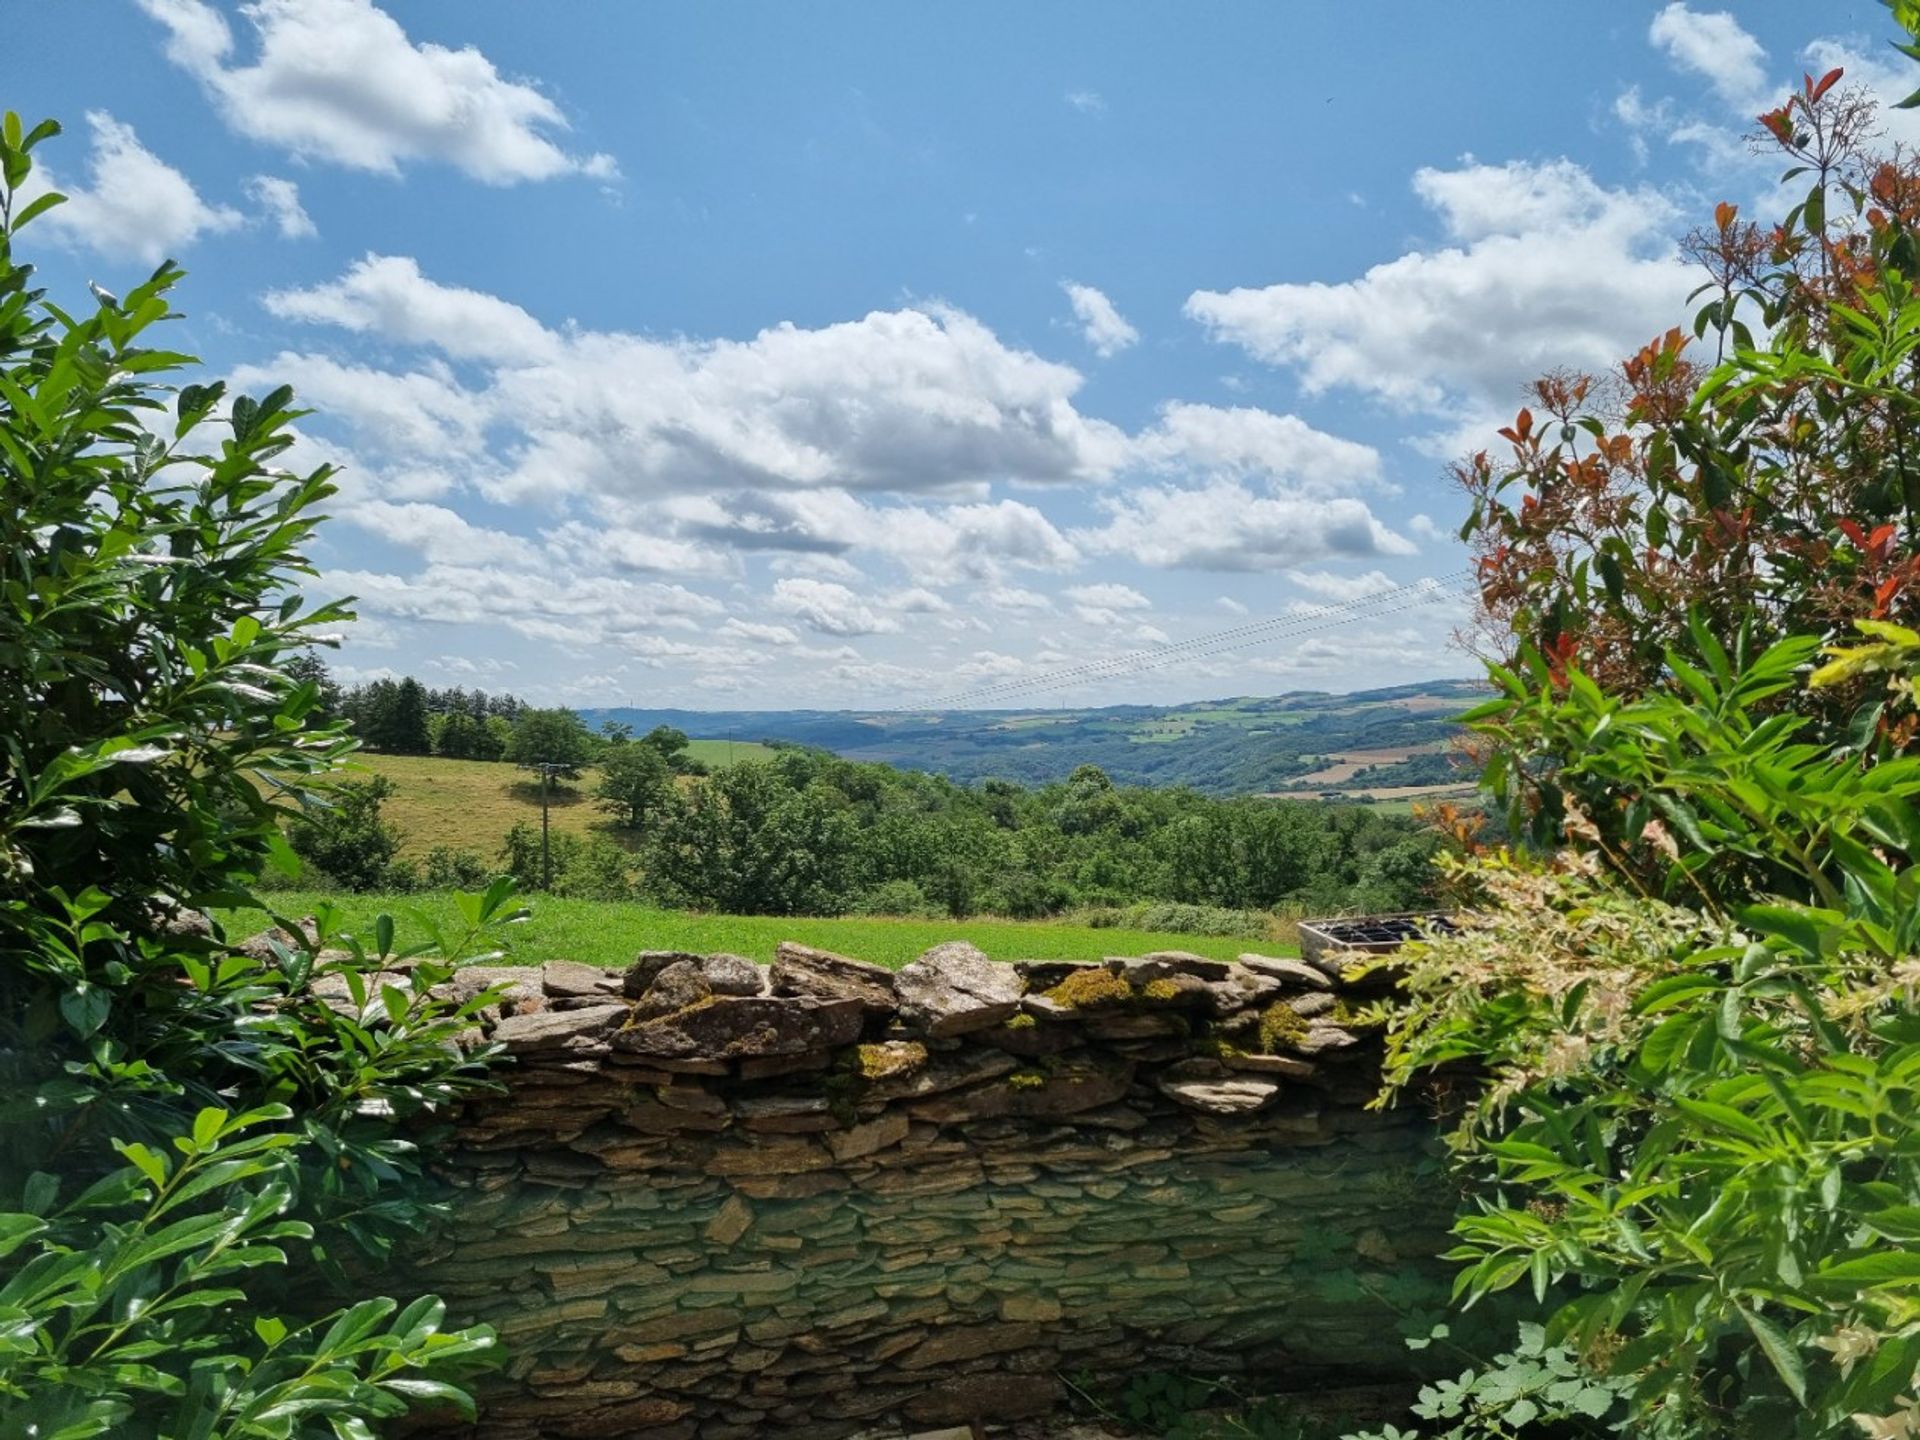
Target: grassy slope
[(601, 933), (471, 804)]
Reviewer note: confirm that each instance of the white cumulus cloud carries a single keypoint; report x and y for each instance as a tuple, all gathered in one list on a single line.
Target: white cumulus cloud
[(1715, 46), (1547, 268), (1245, 441), (1224, 526), (830, 608), (134, 206), (340, 81), (387, 296), (279, 201), (1105, 328)]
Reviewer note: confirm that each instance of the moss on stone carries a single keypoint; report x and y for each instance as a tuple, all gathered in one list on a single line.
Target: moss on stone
[(1090, 987), (1162, 989), (843, 1091), (1027, 1080), (1280, 1026), (881, 1062), (1022, 1021), (1214, 1047)]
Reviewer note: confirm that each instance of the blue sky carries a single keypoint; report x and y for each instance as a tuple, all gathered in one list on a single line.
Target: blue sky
[(761, 355)]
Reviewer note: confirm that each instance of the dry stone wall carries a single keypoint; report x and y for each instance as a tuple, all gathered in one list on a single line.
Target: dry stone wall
[(720, 1201)]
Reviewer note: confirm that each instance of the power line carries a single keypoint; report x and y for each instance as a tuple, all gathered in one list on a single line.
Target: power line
[(1396, 600)]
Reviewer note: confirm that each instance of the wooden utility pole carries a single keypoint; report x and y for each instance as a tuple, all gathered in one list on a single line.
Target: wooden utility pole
[(546, 849), (548, 769)]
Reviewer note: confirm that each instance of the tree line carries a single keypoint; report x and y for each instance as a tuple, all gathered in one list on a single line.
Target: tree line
[(807, 832), (403, 716)]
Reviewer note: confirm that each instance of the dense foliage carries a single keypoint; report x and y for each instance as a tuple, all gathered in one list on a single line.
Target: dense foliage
[(152, 739), (1679, 1035), (404, 717), (811, 832), (342, 834), (1773, 496), (807, 833), (1696, 1117)]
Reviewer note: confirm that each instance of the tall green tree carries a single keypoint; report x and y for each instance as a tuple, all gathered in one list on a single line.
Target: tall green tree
[(671, 745), (407, 733), (744, 842), (550, 737), (308, 668), (635, 783), (461, 737)]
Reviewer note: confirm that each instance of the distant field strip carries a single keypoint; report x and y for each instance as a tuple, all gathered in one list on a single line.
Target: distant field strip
[(608, 933)]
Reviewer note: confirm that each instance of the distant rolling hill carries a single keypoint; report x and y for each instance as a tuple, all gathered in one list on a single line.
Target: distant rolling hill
[(1382, 744)]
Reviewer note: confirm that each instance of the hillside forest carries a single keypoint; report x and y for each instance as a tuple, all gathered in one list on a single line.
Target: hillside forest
[(805, 832)]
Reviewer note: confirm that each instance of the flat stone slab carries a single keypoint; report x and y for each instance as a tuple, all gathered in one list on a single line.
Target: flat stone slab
[(1238, 1096), (1289, 1066), (1296, 973), (729, 1027), (1179, 962), (954, 989), (822, 975), (1325, 1039), (569, 979), (548, 1030)]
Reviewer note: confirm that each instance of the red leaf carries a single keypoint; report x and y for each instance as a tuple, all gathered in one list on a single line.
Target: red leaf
[(1882, 534), (1827, 82), (1854, 533), (1723, 214)]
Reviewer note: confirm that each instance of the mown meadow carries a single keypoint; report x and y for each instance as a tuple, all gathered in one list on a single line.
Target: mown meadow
[(603, 932)]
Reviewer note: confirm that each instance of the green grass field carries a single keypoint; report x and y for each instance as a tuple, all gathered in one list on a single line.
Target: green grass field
[(716, 754), (607, 933), (471, 804)]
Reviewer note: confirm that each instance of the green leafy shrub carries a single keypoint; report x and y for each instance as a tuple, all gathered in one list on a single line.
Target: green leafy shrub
[(1680, 1037), (597, 869), (583, 867), (157, 725), (636, 781), (1174, 918), (126, 1313), (448, 867), (342, 835), (1750, 470), (1696, 1120), (1535, 1388), (899, 898)]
